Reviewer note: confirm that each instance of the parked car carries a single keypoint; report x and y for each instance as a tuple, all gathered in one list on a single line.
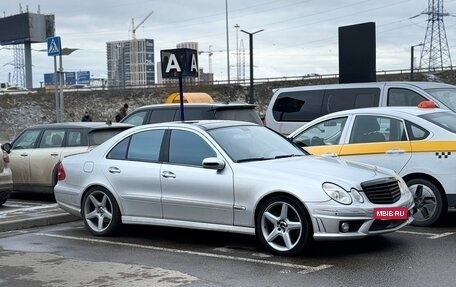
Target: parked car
[(6, 178), (292, 107), (37, 150), (229, 176), (419, 144), (202, 111), (14, 90)]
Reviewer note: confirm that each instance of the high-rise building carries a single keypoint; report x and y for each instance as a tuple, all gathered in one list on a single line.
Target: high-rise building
[(131, 63)]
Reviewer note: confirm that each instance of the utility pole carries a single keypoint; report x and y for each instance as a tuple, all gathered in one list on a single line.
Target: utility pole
[(251, 89)]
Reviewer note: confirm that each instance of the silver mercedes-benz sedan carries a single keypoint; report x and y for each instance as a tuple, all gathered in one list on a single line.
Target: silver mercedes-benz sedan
[(229, 176)]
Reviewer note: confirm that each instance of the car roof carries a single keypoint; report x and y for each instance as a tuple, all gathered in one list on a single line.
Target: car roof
[(399, 110), (203, 124), (216, 106), (89, 125), (422, 85)]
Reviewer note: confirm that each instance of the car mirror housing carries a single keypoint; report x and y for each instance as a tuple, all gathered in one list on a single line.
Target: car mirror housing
[(6, 147), (213, 163)]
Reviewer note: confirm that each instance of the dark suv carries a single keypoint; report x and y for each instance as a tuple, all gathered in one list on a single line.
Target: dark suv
[(214, 111)]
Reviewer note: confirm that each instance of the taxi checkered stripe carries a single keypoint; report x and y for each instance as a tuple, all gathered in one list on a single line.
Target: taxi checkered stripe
[(443, 154)]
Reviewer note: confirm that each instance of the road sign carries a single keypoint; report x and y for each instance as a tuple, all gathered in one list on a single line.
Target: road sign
[(83, 77), (179, 63), (54, 46)]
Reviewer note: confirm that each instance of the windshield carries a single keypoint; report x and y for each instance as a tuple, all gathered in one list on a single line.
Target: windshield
[(446, 120), (252, 143), (445, 95)]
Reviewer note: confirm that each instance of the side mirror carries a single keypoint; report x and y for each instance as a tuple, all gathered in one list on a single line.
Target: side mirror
[(6, 147), (213, 163)]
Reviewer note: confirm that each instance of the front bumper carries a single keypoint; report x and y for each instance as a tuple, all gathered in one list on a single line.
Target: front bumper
[(327, 218)]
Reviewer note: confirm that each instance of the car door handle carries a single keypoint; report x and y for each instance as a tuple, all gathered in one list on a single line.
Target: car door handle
[(114, 169), (168, 174), (329, 154), (54, 154), (24, 154), (395, 151)]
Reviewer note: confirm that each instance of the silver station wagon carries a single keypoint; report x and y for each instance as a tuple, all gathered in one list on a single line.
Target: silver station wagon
[(229, 176)]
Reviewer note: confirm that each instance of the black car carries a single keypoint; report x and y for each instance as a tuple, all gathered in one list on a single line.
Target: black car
[(160, 113)]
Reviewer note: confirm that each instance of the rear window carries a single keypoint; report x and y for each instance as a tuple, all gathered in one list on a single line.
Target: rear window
[(446, 120), (97, 137), (245, 115)]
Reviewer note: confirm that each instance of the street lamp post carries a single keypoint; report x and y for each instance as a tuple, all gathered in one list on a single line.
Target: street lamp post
[(251, 98), (412, 59), (237, 53), (227, 43)]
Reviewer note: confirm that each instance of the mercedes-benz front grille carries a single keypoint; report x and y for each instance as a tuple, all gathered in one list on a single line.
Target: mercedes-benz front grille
[(382, 191)]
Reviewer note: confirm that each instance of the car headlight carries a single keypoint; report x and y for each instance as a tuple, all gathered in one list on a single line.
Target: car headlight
[(337, 193), (403, 187), (356, 195)]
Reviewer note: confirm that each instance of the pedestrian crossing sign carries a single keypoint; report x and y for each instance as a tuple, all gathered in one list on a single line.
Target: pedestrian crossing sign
[(53, 46)]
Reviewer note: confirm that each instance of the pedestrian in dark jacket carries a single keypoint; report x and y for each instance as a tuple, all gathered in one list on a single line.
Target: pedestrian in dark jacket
[(122, 112), (86, 117)]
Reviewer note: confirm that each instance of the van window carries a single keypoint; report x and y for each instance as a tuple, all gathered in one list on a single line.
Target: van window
[(403, 97), (346, 99), (298, 106), (304, 106)]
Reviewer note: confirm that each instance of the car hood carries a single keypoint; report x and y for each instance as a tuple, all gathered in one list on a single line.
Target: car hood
[(321, 169)]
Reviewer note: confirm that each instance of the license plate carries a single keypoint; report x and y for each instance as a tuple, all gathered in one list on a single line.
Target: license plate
[(390, 213)]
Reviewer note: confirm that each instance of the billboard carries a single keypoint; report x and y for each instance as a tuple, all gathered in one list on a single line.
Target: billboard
[(70, 78), (26, 27), (357, 53)]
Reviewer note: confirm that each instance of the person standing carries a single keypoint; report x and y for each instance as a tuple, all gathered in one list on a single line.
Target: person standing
[(86, 117), (122, 112)]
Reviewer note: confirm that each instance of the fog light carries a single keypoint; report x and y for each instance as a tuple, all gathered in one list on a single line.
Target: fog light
[(344, 227)]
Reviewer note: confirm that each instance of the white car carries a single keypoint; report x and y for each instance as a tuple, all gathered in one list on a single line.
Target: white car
[(229, 176), (418, 143)]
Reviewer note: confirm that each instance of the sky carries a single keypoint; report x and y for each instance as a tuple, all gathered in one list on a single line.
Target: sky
[(300, 37)]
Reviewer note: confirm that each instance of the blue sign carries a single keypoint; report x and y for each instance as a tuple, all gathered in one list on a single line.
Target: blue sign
[(84, 77), (70, 78), (49, 79), (54, 46)]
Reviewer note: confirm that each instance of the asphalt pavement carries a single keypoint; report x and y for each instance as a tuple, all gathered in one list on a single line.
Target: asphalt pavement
[(19, 213)]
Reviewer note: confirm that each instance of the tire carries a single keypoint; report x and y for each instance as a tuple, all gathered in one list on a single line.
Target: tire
[(282, 226), (430, 204), (100, 212), (4, 197)]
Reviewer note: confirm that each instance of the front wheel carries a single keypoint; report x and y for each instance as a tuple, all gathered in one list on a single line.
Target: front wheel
[(282, 226), (429, 203), (100, 212)]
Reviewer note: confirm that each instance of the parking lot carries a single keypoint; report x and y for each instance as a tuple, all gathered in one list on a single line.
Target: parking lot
[(159, 256)]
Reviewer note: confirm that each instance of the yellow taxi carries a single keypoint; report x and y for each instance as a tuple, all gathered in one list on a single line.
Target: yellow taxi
[(419, 144)]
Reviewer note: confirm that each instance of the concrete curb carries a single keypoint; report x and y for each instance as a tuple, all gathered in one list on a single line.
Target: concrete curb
[(23, 223)]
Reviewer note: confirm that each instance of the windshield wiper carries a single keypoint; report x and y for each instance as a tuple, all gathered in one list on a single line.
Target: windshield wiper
[(253, 159), (287, 155)]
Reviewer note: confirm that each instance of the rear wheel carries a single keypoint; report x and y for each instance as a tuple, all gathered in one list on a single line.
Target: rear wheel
[(428, 202), (100, 212), (282, 226)]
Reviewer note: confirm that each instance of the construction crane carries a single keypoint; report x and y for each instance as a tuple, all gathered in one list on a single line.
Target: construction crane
[(134, 78), (134, 28), (210, 52)]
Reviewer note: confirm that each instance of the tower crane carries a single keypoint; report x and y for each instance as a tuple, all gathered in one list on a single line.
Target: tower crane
[(134, 28), (210, 52), (134, 71)]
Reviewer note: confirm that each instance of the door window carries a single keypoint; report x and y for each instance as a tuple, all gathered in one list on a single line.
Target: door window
[(324, 133), (52, 138), (74, 138), (145, 146), (136, 118), (26, 140), (188, 148), (404, 97), (161, 116), (367, 129)]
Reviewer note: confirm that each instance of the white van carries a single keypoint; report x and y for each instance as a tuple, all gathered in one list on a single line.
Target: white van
[(290, 108)]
